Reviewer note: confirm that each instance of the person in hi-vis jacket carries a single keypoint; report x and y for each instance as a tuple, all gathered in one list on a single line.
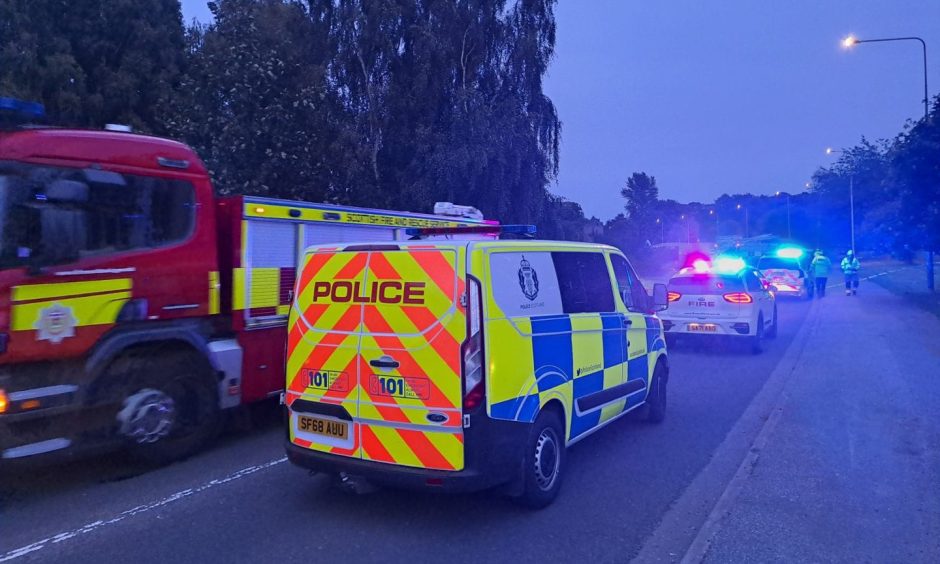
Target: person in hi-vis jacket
[(850, 267)]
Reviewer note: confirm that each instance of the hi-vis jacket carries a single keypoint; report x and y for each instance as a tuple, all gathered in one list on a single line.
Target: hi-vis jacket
[(850, 265), (436, 356)]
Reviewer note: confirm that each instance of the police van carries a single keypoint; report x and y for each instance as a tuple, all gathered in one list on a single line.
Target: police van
[(461, 365)]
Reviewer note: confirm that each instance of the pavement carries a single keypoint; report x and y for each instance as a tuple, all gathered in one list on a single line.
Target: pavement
[(824, 448), (847, 468)]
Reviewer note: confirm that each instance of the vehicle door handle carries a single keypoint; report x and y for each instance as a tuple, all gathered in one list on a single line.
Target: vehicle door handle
[(384, 362)]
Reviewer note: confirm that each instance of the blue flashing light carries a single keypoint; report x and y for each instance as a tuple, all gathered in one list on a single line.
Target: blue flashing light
[(27, 110), (729, 265), (790, 252)]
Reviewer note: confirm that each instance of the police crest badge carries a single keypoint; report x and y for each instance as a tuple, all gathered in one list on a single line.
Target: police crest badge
[(528, 279)]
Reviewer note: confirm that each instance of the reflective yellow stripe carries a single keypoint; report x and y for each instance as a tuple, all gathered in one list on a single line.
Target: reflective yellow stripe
[(65, 289), (88, 310), (274, 211), (213, 292), (265, 287), (239, 291)]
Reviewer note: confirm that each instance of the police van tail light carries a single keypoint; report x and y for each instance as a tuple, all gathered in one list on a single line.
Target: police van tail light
[(673, 296), (738, 298), (472, 348)]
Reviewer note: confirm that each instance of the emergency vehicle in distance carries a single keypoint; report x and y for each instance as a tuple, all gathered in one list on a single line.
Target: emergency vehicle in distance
[(726, 298), (465, 365), (788, 272), (134, 304)]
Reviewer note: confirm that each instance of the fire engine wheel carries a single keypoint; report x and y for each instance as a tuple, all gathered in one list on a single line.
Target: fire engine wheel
[(544, 461), (170, 405)]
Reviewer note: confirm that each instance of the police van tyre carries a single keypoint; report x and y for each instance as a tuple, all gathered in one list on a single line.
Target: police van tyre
[(757, 341), (544, 463), (656, 401), (170, 404), (772, 332)]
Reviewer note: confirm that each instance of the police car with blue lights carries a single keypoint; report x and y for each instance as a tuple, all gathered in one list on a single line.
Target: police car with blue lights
[(788, 271), (724, 297)]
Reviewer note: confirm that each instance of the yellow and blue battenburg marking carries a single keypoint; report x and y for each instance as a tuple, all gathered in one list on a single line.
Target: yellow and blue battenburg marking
[(578, 357)]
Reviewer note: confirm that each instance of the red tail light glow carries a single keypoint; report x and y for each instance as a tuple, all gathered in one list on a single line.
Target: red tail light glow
[(472, 349), (738, 298), (673, 296)]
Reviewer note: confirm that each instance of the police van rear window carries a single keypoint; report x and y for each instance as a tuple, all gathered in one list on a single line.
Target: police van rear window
[(706, 284)]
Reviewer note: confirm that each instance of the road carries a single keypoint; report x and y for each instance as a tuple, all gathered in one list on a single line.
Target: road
[(241, 501)]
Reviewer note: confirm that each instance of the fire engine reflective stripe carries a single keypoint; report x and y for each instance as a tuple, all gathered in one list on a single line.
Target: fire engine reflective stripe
[(213, 292), (306, 213), (84, 310), (65, 289), (263, 287)]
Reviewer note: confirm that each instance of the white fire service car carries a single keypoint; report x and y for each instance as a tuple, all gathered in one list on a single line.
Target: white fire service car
[(724, 299)]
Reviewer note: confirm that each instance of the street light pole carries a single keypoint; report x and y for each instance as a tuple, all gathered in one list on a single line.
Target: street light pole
[(831, 151), (849, 42)]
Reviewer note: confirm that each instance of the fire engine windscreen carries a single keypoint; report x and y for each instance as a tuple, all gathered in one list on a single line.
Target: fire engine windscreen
[(52, 215)]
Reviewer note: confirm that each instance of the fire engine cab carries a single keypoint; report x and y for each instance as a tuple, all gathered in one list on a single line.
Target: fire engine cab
[(134, 304)]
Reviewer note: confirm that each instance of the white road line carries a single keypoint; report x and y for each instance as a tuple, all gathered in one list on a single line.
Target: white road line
[(91, 527)]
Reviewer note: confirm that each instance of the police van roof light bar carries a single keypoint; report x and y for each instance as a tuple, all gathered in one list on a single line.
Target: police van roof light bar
[(526, 231)]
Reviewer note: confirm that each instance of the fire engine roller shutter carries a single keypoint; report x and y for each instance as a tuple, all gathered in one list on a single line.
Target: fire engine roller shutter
[(326, 233), (270, 262)]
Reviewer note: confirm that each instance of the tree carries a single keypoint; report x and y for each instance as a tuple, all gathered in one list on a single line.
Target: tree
[(642, 198), (95, 61), (256, 104)]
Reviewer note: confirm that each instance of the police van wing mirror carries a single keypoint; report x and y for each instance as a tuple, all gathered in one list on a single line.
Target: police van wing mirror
[(660, 298)]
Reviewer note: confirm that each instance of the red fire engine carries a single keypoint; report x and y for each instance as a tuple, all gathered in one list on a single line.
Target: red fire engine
[(135, 306)]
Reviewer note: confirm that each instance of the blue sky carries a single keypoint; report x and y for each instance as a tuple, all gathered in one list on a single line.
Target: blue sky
[(724, 96)]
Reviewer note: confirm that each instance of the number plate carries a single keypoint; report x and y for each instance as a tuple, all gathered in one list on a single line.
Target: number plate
[(326, 427), (703, 327)]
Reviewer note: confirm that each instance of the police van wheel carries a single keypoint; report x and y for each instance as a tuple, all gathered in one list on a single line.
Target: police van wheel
[(772, 332), (656, 401), (544, 461), (757, 341), (170, 405)]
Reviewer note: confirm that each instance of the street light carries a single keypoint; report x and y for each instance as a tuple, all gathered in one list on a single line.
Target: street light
[(831, 151), (712, 212), (789, 233), (662, 229), (852, 41), (746, 222)]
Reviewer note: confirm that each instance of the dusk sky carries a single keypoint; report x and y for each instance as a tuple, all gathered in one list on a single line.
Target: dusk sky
[(724, 97)]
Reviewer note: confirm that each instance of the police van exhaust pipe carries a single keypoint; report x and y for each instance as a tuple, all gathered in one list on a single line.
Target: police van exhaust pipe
[(356, 484)]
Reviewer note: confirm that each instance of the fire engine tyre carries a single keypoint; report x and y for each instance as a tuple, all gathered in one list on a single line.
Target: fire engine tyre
[(656, 401), (772, 332), (544, 463), (757, 341), (170, 406)]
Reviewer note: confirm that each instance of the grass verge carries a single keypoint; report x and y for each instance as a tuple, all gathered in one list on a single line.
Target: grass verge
[(911, 284)]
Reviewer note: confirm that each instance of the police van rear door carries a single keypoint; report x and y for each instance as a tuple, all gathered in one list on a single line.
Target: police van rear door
[(323, 362), (414, 323)]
